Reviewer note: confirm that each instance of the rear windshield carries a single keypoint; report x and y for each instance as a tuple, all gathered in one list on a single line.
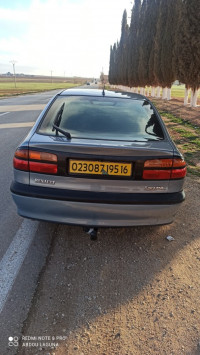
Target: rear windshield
[(104, 118)]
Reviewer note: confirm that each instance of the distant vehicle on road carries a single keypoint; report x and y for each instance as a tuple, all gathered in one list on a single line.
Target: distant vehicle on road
[(99, 158), (88, 83)]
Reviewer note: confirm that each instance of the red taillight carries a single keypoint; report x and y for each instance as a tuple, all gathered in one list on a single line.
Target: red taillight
[(35, 161), (20, 164), (164, 169), (178, 173), (42, 167), (156, 174)]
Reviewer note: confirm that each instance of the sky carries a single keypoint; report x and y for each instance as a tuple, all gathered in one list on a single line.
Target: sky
[(65, 37)]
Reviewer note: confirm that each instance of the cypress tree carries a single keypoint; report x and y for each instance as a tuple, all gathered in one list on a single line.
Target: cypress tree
[(143, 45), (175, 58), (148, 21), (133, 50), (153, 10), (123, 48), (158, 41), (188, 46), (115, 63), (111, 66), (160, 29), (168, 44)]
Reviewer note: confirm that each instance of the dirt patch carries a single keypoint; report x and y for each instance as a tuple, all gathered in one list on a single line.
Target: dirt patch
[(176, 107)]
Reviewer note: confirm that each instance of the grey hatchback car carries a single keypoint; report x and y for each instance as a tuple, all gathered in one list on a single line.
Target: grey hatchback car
[(99, 158)]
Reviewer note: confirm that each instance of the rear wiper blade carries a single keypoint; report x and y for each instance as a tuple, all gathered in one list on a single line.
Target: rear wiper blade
[(56, 123), (58, 129), (58, 117)]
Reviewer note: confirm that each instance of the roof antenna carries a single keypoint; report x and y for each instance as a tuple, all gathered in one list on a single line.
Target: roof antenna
[(103, 92)]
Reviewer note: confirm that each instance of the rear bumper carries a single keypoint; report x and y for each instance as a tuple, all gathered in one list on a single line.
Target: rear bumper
[(95, 209)]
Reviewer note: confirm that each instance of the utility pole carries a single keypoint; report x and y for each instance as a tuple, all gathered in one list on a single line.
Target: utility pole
[(51, 77), (13, 63)]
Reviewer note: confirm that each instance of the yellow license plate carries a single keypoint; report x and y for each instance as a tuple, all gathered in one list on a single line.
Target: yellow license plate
[(99, 168)]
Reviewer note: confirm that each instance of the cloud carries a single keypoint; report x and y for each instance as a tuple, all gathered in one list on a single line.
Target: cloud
[(13, 15), (66, 36)]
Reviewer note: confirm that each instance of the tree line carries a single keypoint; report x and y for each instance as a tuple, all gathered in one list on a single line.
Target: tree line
[(161, 45)]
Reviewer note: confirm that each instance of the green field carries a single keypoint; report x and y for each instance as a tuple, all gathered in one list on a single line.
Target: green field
[(179, 91), (8, 88)]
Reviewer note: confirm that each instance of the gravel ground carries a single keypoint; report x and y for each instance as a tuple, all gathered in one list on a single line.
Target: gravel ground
[(130, 292)]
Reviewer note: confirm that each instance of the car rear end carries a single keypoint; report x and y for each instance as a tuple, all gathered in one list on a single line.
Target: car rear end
[(112, 172)]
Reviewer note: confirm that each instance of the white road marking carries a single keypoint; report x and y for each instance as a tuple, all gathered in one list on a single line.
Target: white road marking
[(16, 125), (14, 257), (4, 113)]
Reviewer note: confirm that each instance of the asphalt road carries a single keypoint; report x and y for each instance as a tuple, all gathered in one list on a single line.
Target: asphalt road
[(24, 110)]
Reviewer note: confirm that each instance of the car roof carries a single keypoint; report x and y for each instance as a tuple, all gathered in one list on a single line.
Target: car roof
[(100, 93)]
